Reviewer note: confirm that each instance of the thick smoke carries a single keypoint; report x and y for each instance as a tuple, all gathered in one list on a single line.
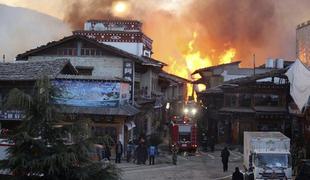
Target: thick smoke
[(264, 27), (250, 26), (78, 11), (22, 29)]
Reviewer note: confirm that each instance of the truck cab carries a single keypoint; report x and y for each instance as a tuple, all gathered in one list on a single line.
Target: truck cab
[(271, 165), (267, 155)]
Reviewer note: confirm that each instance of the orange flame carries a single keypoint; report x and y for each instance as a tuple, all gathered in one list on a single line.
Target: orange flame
[(193, 60)]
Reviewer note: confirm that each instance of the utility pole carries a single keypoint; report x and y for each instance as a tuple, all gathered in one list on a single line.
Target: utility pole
[(254, 64)]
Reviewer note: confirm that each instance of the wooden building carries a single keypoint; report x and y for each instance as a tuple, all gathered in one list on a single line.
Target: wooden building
[(255, 103)]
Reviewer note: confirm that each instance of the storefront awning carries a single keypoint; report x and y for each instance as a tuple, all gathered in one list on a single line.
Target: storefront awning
[(124, 110), (130, 125)]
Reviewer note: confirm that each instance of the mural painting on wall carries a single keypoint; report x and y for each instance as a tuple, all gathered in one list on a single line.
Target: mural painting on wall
[(87, 93)]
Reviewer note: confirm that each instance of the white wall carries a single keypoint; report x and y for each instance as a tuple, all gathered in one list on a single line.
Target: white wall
[(133, 48), (107, 66)]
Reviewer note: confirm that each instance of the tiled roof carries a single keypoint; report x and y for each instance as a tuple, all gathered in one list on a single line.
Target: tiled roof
[(111, 49), (32, 70), (86, 77), (152, 61), (173, 77), (214, 67), (273, 73), (123, 110), (237, 109)]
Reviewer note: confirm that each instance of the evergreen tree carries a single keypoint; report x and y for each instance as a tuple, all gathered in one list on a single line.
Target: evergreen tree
[(40, 149)]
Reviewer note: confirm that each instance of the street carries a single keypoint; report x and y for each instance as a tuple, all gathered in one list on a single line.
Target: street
[(201, 166)]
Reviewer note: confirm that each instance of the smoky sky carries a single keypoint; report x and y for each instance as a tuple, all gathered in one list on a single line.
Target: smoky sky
[(78, 11), (264, 27)]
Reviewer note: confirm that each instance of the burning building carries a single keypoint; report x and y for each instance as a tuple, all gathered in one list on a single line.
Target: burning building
[(303, 42), (126, 35)]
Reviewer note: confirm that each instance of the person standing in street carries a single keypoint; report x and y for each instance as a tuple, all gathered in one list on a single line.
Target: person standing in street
[(152, 152), (237, 175), (141, 152), (212, 143), (130, 149), (225, 157), (174, 150), (144, 152), (119, 152)]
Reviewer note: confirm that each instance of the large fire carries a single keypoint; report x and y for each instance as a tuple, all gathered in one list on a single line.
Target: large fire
[(193, 60)]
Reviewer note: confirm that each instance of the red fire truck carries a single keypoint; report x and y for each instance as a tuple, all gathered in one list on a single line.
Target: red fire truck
[(184, 134)]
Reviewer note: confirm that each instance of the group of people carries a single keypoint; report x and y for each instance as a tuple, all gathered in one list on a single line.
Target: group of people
[(140, 152), (104, 152)]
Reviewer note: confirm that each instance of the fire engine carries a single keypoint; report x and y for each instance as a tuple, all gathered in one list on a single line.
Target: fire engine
[(184, 134)]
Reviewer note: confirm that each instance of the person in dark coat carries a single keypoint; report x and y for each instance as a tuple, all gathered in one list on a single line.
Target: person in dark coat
[(237, 175), (139, 154), (212, 143), (106, 152), (144, 153), (119, 152), (225, 157)]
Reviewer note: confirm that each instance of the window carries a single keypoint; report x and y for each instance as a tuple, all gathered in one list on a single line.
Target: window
[(147, 53), (267, 100), (98, 52), (104, 131), (67, 52), (244, 100), (87, 52), (70, 52), (85, 70), (90, 52), (82, 52), (230, 100)]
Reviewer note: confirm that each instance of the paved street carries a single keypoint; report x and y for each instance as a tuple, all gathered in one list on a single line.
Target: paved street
[(202, 166)]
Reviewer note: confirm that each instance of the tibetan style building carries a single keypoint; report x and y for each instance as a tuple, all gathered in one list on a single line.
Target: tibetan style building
[(116, 50), (236, 100)]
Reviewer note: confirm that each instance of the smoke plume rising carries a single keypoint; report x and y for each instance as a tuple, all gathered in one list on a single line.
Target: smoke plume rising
[(249, 26), (264, 27)]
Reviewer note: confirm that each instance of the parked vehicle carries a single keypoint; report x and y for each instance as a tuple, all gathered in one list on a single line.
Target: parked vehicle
[(304, 170), (268, 155), (184, 135)]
